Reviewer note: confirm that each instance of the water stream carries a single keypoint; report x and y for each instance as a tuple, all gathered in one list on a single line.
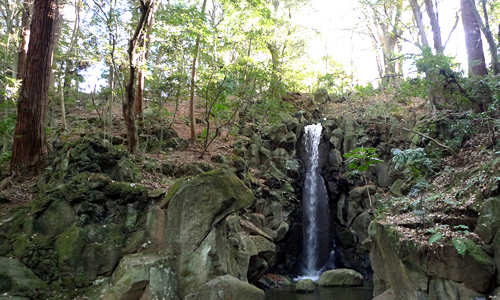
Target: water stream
[(316, 216)]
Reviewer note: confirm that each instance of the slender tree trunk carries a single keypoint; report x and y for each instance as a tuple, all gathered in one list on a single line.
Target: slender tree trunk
[(61, 98), (57, 38), (487, 34), (139, 100), (417, 14), (436, 30), (30, 146), (473, 41), (193, 77), (276, 67), (128, 104), (25, 37)]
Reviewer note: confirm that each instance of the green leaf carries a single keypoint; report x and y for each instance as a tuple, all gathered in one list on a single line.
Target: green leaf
[(459, 245), (436, 237)]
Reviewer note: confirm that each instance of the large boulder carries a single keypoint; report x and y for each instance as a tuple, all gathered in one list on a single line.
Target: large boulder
[(199, 204), (201, 231), (488, 222), (226, 287), (16, 280), (340, 277), (141, 276)]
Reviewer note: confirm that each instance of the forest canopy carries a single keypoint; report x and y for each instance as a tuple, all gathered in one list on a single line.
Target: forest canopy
[(236, 59)]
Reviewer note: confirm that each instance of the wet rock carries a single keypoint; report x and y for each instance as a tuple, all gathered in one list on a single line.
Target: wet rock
[(340, 277), (305, 286), (334, 158), (336, 138)]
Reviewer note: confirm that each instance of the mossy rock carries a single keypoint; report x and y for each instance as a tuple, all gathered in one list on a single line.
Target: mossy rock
[(58, 216), (69, 246), (18, 281), (91, 154), (192, 169), (103, 249), (126, 192), (198, 204), (4, 245), (19, 222)]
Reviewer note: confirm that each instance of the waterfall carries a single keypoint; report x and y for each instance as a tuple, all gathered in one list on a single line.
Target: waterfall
[(315, 210)]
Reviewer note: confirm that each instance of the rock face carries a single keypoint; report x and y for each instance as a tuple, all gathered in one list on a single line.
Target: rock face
[(415, 273), (340, 277), (201, 235), (81, 223)]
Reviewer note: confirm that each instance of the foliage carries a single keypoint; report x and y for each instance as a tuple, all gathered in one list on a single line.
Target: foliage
[(336, 81), (410, 88), (362, 158), (415, 160)]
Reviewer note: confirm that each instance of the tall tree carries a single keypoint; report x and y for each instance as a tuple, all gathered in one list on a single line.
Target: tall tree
[(417, 14), (193, 76), (473, 41), (30, 147), (25, 37), (139, 100), (386, 35), (436, 29), (134, 52), (485, 29)]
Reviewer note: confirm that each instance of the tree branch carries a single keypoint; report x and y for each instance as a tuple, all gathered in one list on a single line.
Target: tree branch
[(419, 133)]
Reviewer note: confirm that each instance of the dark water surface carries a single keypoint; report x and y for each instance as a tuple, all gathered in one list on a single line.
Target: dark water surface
[(358, 293)]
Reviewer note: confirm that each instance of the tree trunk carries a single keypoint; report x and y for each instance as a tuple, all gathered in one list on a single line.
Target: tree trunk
[(128, 104), (57, 39), (436, 30), (193, 78), (487, 34), (25, 37), (139, 100), (276, 68), (473, 41), (30, 147), (417, 14)]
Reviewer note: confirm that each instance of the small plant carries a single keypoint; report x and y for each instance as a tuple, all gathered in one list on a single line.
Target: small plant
[(417, 163), (361, 159), (437, 235)]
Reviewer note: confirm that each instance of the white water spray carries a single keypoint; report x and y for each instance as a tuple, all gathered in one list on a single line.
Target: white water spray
[(316, 221)]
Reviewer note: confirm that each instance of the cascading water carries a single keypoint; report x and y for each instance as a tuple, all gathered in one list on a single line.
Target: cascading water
[(316, 215)]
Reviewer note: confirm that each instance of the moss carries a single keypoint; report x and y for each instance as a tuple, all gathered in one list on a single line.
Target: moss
[(69, 246), (477, 253), (171, 193), (20, 222), (127, 192)]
